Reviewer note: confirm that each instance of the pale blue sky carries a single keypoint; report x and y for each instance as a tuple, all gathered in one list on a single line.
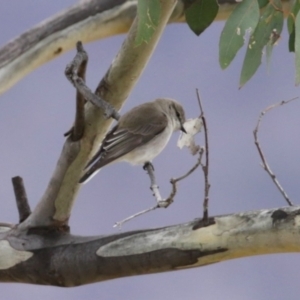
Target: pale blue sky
[(36, 112)]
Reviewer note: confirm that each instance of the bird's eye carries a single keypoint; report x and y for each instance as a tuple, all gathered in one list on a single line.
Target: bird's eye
[(177, 114)]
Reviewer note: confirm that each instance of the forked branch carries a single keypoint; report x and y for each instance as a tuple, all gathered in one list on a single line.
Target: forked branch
[(54, 209)]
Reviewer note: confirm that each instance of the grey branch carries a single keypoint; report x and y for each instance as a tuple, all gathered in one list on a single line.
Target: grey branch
[(75, 72), (78, 68), (21, 198), (261, 154), (205, 167)]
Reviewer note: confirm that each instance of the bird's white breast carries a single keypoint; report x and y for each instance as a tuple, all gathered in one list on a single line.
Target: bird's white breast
[(147, 152)]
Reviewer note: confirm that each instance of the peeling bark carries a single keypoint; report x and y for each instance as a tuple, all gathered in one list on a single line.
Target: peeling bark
[(60, 259), (87, 21)]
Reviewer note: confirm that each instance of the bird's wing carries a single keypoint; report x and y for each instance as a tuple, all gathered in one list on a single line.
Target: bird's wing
[(125, 136)]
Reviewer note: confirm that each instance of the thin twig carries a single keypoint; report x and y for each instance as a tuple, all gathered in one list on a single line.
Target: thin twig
[(80, 101), (261, 154), (174, 181), (9, 225), (161, 202), (73, 72), (205, 167), (119, 224), (21, 198), (77, 67)]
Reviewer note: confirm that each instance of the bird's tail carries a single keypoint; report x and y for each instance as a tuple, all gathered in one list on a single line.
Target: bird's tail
[(89, 174)]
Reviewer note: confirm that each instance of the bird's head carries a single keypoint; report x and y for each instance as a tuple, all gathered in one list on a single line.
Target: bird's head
[(174, 111)]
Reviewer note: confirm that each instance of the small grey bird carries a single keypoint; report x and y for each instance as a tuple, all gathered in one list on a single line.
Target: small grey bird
[(139, 136)]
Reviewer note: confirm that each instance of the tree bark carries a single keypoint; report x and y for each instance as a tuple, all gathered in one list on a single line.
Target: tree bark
[(87, 21), (49, 257)]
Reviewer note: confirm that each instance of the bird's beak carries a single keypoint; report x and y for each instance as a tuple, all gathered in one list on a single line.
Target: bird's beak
[(182, 129)]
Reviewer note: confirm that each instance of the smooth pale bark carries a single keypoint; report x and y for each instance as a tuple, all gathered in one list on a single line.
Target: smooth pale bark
[(87, 21), (54, 208), (53, 258)]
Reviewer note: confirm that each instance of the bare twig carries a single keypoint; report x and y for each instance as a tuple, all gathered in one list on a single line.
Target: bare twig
[(120, 223), (21, 198), (162, 202), (205, 167), (78, 66), (75, 73), (174, 181), (80, 101), (261, 154), (8, 225)]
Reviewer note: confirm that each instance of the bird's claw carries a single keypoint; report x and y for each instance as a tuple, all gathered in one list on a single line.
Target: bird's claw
[(164, 203)]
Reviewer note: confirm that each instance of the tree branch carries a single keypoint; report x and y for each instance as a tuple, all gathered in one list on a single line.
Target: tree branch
[(54, 208), (21, 198), (60, 259), (87, 21)]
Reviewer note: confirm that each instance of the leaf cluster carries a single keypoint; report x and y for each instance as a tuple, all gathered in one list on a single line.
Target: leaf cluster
[(257, 23)]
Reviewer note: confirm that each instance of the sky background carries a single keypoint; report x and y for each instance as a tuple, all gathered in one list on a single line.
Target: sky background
[(36, 112)]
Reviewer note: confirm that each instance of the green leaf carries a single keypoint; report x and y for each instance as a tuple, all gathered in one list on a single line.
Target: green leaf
[(269, 49), (274, 37), (297, 48), (244, 18), (291, 25), (292, 16), (200, 14), (148, 12), (262, 3), (267, 31), (292, 40)]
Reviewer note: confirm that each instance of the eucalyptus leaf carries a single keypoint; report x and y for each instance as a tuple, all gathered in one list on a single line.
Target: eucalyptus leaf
[(268, 30), (262, 3), (297, 48), (148, 12), (291, 25), (243, 19), (200, 14)]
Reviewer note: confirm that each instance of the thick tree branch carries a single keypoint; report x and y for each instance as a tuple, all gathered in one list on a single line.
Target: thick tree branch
[(54, 208), (87, 21), (60, 259)]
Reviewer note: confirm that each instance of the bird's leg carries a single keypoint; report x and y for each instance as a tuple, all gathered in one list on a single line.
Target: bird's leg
[(154, 187)]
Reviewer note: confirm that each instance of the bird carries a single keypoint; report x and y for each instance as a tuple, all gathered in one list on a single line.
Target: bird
[(139, 136)]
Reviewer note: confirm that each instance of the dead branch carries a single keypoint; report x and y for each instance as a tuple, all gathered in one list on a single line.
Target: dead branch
[(78, 67), (21, 198), (205, 167), (75, 72), (261, 154)]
